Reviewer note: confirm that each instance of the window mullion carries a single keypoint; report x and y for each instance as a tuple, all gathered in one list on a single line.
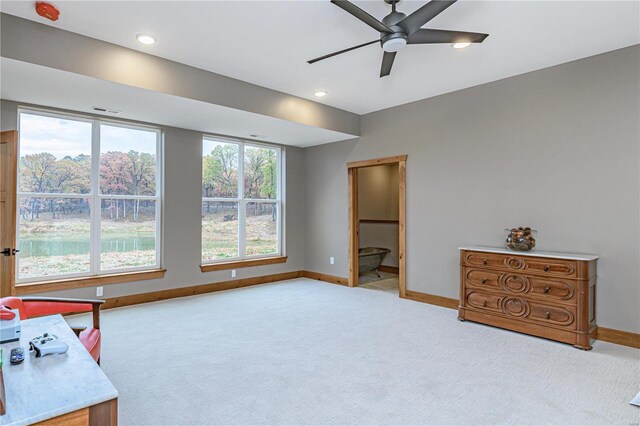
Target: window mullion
[(159, 200), (95, 198), (220, 199), (281, 232), (52, 195), (242, 244), (279, 228), (126, 197)]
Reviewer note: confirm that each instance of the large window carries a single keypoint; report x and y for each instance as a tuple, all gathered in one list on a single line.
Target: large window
[(88, 197), (241, 203)]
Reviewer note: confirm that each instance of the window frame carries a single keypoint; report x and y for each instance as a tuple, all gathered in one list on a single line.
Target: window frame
[(242, 202), (95, 197)]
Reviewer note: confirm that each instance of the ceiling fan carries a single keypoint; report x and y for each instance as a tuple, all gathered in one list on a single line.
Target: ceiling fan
[(397, 30)]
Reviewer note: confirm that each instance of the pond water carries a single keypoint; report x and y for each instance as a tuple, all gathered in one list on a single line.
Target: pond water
[(66, 247)]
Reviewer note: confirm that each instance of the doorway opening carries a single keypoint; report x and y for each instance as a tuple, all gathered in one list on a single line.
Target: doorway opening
[(377, 223)]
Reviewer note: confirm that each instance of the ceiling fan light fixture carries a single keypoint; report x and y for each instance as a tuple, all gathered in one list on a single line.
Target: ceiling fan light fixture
[(461, 45), (394, 44)]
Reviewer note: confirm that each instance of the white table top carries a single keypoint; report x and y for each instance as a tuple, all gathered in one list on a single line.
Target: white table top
[(43, 388), (534, 252)]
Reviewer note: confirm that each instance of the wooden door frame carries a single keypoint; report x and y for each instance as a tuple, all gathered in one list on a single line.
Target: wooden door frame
[(354, 225), (10, 180)]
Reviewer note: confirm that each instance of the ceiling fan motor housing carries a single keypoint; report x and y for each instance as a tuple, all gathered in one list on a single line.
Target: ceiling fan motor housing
[(393, 18), (392, 42)]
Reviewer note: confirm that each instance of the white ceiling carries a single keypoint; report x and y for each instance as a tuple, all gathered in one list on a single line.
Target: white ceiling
[(269, 42), (76, 92)]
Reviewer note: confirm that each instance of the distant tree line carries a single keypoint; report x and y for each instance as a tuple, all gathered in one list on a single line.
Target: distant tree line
[(130, 173), (220, 175)]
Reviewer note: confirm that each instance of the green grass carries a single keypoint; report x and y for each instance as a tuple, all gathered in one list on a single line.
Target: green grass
[(74, 228), (220, 238), (220, 241), (42, 266)]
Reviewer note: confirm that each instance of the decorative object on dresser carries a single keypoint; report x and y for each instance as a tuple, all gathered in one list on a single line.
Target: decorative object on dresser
[(545, 294), (520, 239)]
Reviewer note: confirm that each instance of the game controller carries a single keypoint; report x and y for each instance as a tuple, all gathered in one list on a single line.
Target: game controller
[(47, 344), (17, 356)]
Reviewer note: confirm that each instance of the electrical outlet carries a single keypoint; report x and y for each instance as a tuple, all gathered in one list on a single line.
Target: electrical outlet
[(332, 260), (99, 291), (233, 273)]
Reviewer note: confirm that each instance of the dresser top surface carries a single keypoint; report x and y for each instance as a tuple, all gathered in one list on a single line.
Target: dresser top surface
[(533, 253)]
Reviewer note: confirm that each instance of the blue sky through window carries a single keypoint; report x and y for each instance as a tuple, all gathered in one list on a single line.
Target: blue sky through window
[(62, 137)]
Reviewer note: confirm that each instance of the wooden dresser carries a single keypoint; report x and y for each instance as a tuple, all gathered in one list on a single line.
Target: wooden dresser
[(545, 294)]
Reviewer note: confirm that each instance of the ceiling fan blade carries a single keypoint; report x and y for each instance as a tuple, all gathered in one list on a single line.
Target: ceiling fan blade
[(362, 15), (417, 19), (428, 36), (387, 63), (342, 51)]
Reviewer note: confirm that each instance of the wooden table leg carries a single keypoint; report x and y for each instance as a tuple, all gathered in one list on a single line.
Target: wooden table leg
[(104, 414)]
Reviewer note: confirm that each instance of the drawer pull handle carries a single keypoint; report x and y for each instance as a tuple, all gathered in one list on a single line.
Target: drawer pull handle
[(484, 280), (546, 290), (546, 268), (484, 261), (547, 315)]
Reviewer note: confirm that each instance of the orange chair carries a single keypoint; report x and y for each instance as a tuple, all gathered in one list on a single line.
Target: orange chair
[(31, 307)]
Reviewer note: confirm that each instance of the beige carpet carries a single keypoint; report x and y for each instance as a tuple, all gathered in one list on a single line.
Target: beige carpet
[(306, 352)]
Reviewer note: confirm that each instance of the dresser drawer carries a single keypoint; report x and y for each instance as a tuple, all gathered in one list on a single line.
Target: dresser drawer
[(564, 316), (483, 278), (530, 265), (484, 260), (551, 289), (484, 301), (543, 266), (522, 308)]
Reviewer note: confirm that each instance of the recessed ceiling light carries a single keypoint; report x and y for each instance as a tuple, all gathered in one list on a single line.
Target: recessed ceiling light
[(320, 93), (461, 45), (145, 38)]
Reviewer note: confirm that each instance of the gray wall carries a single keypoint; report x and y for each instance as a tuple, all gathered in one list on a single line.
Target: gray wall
[(182, 214), (556, 149), (378, 192), (378, 198), (40, 44)]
